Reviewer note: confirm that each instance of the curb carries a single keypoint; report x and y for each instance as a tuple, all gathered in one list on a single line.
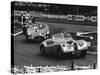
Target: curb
[(17, 33), (93, 53)]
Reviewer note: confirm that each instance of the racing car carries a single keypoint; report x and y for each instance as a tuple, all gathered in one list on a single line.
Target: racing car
[(87, 35), (90, 37), (62, 44), (36, 31)]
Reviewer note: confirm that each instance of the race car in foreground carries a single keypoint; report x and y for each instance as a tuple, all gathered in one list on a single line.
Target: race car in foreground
[(63, 44), (36, 31)]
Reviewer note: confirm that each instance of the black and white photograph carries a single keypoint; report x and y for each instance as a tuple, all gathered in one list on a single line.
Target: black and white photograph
[(53, 37)]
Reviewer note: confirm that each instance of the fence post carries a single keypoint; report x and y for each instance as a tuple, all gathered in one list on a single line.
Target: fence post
[(94, 66), (72, 65), (39, 69)]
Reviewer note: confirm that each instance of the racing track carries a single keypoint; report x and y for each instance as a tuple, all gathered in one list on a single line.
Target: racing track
[(27, 53)]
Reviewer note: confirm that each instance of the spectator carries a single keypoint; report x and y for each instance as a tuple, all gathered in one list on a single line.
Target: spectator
[(33, 20)]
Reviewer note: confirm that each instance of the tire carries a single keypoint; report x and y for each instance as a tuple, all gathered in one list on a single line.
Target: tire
[(59, 52), (75, 47), (42, 50), (83, 54), (27, 38), (24, 30), (41, 39)]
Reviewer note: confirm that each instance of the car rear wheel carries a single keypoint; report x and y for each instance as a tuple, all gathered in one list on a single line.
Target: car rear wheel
[(42, 50)]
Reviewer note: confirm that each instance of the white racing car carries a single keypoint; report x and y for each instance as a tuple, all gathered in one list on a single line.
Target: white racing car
[(63, 44), (37, 31)]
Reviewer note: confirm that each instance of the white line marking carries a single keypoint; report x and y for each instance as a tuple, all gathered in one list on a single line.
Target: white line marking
[(94, 53), (17, 33)]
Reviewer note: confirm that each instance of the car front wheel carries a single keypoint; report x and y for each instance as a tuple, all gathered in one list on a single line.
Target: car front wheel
[(83, 53), (59, 52), (41, 39), (27, 37), (42, 50)]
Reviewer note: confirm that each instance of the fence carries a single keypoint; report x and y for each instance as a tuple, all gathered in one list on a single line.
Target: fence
[(39, 69)]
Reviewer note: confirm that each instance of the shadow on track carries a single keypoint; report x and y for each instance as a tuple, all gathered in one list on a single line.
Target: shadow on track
[(62, 58)]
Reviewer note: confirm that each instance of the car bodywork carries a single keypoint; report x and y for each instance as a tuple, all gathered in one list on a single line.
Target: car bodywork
[(63, 43), (36, 31), (87, 35), (90, 37)]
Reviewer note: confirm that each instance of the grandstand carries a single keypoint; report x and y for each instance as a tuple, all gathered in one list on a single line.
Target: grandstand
[(60, 9)]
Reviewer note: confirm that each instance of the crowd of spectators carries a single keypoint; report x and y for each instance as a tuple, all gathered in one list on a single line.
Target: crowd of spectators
[(58, 9)]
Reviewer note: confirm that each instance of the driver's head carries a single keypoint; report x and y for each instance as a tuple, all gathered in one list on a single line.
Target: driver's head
[(41, 26)]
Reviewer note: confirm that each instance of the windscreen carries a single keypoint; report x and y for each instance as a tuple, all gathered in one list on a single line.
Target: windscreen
[(67, 35), (49, 42), (58, 36), (38, 26)]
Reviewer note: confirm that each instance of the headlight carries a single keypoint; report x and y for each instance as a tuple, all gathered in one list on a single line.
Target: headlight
[(64, 46), (40, 33), (28, 33), (91, 37)]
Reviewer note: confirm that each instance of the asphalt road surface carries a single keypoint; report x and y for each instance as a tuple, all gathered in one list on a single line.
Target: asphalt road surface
[(27, 53)]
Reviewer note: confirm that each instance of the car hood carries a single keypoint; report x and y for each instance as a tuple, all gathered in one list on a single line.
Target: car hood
[(58, 41)]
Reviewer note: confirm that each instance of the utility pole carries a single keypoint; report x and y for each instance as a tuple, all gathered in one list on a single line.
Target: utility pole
[(77, 10)]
